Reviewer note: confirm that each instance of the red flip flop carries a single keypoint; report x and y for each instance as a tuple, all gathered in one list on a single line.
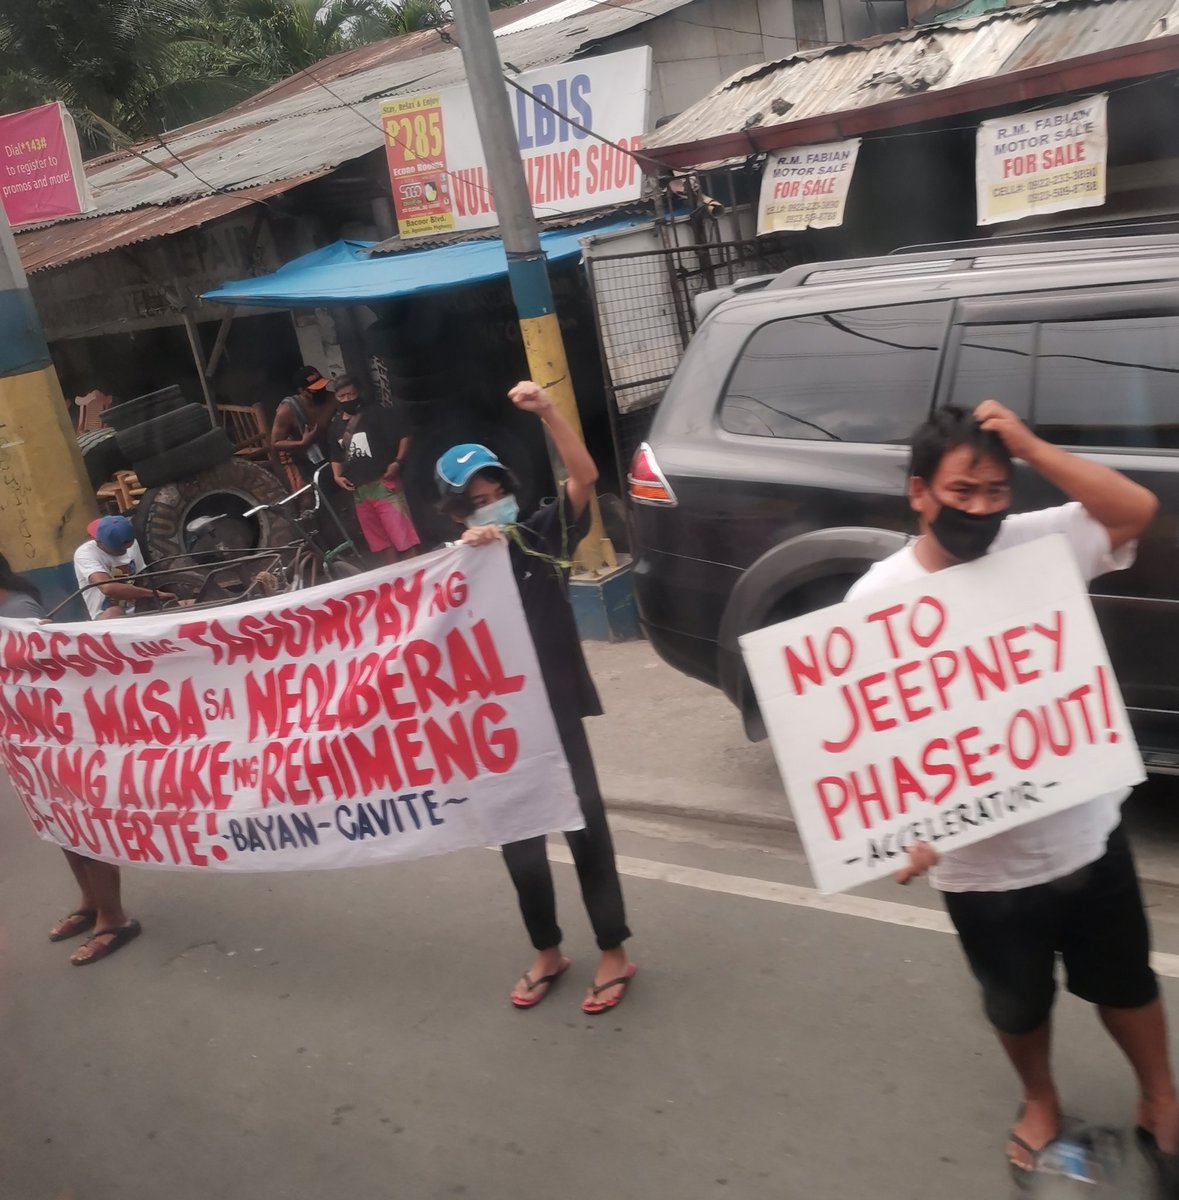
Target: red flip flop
[(545, 981), (118, 938), (70, 926), (592, 1005)]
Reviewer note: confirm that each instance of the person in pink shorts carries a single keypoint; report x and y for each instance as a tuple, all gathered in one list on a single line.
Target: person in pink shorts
[(369, 445)]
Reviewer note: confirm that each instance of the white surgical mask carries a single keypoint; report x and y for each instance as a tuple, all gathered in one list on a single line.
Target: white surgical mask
[(505, 511)]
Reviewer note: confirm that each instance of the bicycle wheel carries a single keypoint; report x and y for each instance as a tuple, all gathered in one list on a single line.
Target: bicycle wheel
[(341, 568), (305, 571)]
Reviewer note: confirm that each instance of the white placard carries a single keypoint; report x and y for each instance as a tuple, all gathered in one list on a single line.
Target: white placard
[(806, 187), (948, 709), (392, 716), (438, 171), (1047, 161)]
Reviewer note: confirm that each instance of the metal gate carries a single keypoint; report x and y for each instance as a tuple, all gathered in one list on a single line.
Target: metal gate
[(643, 302)]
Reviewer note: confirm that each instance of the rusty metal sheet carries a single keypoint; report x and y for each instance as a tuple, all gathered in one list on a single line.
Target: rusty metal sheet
[(928, 58), (300, 128), (71, 241)]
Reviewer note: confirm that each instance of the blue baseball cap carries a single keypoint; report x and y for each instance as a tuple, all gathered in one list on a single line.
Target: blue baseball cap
[(460, 464), (116, 532)]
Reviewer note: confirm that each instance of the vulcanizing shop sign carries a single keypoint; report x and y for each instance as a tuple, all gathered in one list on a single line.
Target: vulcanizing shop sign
[(439, 174), (1046, 161), (393, 716), (945, 710), (806, 187)]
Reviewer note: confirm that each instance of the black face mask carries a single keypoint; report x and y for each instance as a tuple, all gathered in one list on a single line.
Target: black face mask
[(966, 536)]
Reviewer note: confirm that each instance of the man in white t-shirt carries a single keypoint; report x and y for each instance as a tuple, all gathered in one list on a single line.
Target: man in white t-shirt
[(1065, 884), (105, 565)]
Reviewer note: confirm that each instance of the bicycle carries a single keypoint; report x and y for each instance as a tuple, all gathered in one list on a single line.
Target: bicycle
[(211, 574), (308, 563)]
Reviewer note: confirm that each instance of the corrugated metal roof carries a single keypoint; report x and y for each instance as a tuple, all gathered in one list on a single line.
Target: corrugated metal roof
[(929, 58), (397, 245), (55, 245), (312, 122)]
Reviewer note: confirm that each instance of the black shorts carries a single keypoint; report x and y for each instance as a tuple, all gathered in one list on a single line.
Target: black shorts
[(1093, 918)]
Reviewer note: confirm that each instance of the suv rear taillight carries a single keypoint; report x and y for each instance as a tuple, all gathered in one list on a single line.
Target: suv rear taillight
[(646, 481)]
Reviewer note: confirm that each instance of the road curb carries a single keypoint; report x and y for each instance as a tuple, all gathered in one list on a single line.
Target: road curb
[(1153, 874), (692, 812)]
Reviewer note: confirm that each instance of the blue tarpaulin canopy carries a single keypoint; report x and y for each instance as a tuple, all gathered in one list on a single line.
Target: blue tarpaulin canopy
[(344, 273)]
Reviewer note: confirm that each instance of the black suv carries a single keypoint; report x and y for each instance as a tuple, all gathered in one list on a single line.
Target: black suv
[(775, 470)]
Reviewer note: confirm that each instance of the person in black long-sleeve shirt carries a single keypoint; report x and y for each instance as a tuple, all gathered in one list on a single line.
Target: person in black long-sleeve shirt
[(477, 490)]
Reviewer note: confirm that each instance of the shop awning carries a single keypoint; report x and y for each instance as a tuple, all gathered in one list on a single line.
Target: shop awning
[(345, 273)]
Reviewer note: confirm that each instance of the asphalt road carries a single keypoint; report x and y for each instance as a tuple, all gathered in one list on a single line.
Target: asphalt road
[(347, 1034)]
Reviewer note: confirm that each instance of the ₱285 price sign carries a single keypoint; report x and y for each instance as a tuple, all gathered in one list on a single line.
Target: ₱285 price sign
[(415, 145)]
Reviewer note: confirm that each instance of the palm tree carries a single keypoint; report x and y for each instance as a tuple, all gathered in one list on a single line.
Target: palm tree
[(134, 66), (271, 39), (130, 68)]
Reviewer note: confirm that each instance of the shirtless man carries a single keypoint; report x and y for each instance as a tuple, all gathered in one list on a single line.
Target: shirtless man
[(303, 420)]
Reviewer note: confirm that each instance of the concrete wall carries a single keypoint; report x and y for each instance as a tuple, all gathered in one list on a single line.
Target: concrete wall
[(702, 44)]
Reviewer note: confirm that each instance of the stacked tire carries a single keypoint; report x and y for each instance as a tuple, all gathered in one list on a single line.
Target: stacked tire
[(164, 438), (101, 456)]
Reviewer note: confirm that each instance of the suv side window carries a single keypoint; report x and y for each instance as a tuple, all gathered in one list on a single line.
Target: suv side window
[(1110, 382), (865, 375), (995, 361)]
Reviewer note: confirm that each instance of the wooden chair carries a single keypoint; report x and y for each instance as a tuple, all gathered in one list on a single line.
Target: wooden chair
[(121, 492), (249, 431), (247, 428), (90, 409)]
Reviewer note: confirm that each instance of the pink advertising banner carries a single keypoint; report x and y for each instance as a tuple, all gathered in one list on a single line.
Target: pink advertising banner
[(41, 174)]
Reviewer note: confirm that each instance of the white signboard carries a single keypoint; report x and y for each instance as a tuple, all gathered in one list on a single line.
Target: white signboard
[(392, 716), (944, 710), (1046, 161), (439, 174), (806, 187)]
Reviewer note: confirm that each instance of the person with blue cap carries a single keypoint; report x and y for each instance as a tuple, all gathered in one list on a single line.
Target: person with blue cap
[(104, 568), (100, 909), (479, 491)]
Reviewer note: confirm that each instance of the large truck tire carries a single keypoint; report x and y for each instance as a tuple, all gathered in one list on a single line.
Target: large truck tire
[(144, 408), (203, 452), (102, 456), (157, 435), (227, 490)]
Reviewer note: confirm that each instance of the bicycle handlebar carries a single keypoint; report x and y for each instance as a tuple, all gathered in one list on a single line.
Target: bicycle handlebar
[(307, 487)]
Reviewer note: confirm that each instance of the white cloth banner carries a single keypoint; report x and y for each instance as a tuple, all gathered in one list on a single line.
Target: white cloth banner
[(944, 710), (806, 187), (1047, 161), (396, 715), (438, 171)]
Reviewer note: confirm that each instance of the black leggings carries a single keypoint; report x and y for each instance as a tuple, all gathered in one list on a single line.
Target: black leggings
[(593, 855)]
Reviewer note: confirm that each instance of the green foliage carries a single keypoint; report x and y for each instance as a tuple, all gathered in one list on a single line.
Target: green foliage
[(128, 69)]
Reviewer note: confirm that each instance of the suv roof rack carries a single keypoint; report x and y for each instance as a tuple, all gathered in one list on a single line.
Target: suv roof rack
[(1068, 233), (704, 302), (938, 260)]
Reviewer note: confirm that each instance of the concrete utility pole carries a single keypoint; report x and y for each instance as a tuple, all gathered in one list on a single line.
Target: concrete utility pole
[(45, 502), (527, 270)]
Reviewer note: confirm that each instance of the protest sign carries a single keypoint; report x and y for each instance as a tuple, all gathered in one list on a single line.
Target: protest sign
[(41, 174), (1047, 161), (395, 715), (945, 710), (439, 173), (806, 187)]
